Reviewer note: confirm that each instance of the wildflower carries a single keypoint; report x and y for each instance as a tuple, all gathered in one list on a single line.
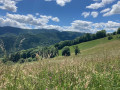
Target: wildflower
[(50, 77)]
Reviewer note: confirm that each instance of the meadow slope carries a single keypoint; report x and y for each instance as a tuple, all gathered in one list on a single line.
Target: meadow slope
[(96, 68)]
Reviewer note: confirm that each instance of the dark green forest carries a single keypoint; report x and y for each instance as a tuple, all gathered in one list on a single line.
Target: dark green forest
[(16, 39)]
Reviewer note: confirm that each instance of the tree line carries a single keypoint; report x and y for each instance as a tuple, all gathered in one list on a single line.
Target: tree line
[(84, 38), (33, 54)]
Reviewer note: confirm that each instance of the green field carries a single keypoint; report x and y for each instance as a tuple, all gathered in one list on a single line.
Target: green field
[(87, 46), (96, 68)]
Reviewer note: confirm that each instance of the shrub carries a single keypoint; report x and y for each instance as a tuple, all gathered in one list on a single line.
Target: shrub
[(66, 51), (34, 59), (118, 31), (21, 60), (77, 50), (5, 59), (110, 37), (118, 37), (114, 33), (29, 59)]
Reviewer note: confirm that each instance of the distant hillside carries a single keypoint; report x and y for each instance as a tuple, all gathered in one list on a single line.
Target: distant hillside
[(95, 46), (15, 39)]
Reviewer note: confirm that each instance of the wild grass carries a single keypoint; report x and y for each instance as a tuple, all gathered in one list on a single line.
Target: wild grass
[(99, 69)]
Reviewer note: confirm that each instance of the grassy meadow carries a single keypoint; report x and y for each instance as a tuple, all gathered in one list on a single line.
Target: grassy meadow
[(96, 68)]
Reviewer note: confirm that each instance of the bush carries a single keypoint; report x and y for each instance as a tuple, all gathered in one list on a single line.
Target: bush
[(29, 60), (118, 37), (110, 37), (34, 59), (9, 63), (66, 51), (118, 31), (5, 59), (77, 50), (101, 34), (114, 33), (22, 60)]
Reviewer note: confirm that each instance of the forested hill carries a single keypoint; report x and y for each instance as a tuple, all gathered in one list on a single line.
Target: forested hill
[(52, 51), (15, 39)]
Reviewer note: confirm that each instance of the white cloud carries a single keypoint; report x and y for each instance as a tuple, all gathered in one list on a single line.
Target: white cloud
[(59, 28), (29, 21), (32, 20), (105, 10), (13, 23), (37, 14), (56, 19), (109, 26), (94, 14), (79, 26), (85, 14), (9, 5), (97, 5), (60, 2), (90, 27), (115, 10)]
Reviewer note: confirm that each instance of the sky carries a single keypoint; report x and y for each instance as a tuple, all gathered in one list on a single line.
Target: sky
[(87, 16)]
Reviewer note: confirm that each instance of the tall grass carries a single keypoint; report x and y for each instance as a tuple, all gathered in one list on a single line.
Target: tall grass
[(100, 71)]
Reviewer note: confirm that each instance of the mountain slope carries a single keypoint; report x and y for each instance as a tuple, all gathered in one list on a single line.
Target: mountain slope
[(15, 39), (97, 67)]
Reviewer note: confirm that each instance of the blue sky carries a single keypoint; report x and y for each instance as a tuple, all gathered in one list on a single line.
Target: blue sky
[(63, 15)]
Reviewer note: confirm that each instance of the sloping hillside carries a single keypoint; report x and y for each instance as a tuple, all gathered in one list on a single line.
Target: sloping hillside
[(97, 67), (96, 45)]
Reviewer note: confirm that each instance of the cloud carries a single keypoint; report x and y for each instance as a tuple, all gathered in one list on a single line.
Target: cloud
[(37, 14), (105, 10), (9, 5), (85, 14), (28, 21), (94, 14), (60, 2), (79, 26), (115, 10), (109, 26), (56, 27), (97, 5), (90, 27), (13, 23), (32, 20), (56, 19)]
